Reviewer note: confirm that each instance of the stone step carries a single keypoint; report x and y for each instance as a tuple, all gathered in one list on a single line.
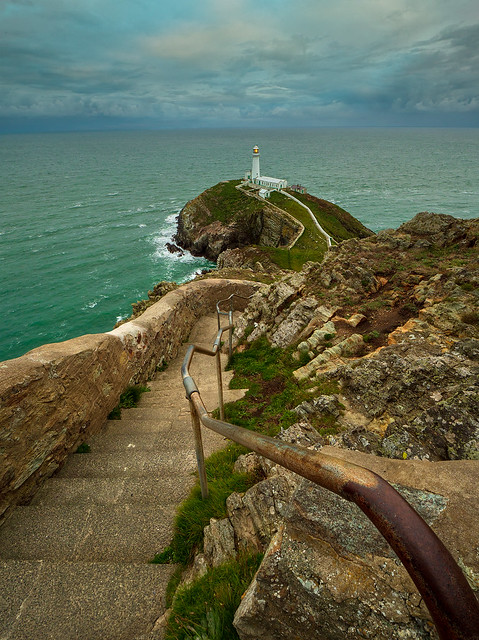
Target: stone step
[(209, 395), (126, 533), (133, 490), (129, 463), (50, 601), (73, 563), (153, 413)]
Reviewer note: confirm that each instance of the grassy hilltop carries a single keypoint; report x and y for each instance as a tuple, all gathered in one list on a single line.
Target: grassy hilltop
[(232, 213)]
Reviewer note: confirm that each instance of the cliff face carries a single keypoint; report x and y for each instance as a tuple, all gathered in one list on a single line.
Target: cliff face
[(223, 218)]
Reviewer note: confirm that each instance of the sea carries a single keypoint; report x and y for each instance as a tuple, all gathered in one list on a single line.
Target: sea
[(85, 217)]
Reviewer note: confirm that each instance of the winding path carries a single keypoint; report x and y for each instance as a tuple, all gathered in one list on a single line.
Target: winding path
[(313, 217)]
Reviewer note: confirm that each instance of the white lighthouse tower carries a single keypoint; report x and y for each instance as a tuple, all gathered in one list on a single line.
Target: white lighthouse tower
[(255, 167)]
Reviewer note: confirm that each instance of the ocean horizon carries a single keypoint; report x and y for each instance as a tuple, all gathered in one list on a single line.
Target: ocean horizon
[(85, 216)]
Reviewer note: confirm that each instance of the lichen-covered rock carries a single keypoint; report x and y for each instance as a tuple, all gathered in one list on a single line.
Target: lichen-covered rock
[(328, 572), (219, 542), (304, 589), (290, 328), (256, 514), (270, 306), (427, 398), (440, 229), (328, 405), (348, 347)]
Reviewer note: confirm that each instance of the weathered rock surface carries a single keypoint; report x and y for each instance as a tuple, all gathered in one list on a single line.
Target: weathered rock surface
[(247, 258), (328, 572), (395, 320), (219, 543)]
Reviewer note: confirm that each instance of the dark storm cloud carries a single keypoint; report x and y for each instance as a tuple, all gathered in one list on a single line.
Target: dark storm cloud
[(225, 62)]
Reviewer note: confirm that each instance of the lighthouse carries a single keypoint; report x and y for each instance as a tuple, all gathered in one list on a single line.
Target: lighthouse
[(255, 173), (255, 179)]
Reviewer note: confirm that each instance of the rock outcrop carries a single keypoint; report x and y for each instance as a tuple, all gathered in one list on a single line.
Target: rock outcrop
[(393, 322), (223, 218), (328, 573)]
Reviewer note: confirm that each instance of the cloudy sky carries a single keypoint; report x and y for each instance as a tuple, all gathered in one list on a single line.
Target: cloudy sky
[(93, 64)]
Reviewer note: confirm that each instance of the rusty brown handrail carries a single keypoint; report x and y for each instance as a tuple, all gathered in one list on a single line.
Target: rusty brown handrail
[(440, 581)]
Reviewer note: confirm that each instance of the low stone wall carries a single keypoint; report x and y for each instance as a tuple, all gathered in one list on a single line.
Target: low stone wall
[(56, 396)]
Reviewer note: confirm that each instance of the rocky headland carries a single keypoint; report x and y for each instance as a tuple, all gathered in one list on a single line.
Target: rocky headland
[(226, 217), (384, 331)]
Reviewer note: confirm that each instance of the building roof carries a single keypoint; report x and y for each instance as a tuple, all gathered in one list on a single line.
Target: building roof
[(272, 180)]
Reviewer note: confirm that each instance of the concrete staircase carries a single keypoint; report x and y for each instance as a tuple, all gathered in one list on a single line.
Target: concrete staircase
[(74, 562)]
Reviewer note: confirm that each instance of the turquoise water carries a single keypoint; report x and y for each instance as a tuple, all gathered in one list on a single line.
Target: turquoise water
[(84, 217)]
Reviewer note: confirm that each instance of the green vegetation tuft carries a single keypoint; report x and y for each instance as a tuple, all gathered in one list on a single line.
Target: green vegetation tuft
[(226, 203), (194, 513), (128, 400), (372, 335), (205, 609), (83, 448), (272, 389)]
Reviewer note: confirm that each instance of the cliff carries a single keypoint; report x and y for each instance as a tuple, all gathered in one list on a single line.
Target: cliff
[(377, 362), (224, 217)]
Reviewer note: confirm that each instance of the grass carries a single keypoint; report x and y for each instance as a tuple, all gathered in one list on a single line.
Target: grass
[(334, 220), (310, 247), (205, 609), (226, 203), (83, 448), (373, 335), (273, 392), (128, 400), (194, 513)]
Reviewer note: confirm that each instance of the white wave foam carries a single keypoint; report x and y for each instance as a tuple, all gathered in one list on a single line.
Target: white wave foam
[(93, 303)]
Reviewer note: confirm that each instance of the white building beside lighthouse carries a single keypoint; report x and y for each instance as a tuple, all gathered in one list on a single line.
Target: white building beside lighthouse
[(267, 183)]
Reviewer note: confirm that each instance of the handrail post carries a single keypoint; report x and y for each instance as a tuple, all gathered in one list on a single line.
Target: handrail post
[(230, 342), (220, 384), (200, 455)]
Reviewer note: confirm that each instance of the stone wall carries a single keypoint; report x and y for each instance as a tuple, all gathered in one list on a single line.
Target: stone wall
[(56, 396)]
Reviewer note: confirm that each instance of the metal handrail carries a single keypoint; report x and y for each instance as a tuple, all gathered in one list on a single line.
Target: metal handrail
[(440, 581)]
